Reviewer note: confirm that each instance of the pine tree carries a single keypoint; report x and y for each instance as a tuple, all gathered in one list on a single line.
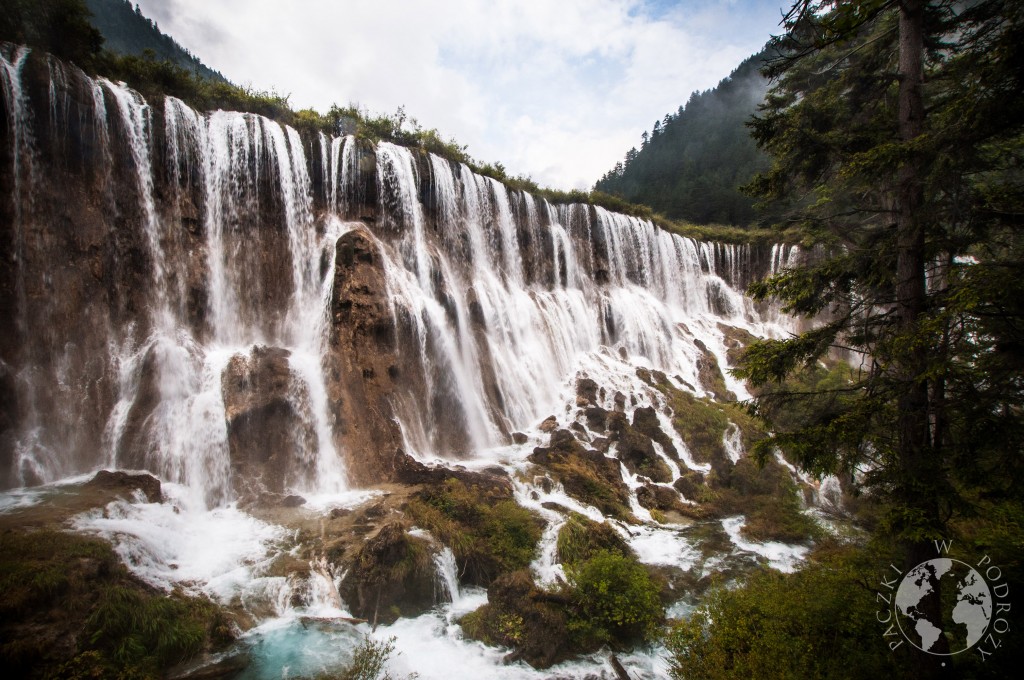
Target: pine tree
[(897, 148)]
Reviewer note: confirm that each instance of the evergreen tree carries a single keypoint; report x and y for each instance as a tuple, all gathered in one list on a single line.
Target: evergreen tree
[(897, 145), (692, 164)]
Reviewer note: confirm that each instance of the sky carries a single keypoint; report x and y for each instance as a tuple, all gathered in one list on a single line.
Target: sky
[(557, 90)]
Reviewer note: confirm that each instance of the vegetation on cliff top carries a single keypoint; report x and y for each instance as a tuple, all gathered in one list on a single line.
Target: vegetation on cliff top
[(63, 28)]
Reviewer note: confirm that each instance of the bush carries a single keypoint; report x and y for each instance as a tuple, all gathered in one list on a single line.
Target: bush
[(816, 623), (369, 660), (614, 600)]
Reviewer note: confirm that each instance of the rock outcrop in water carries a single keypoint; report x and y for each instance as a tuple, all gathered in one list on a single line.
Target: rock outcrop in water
[(245, 309)]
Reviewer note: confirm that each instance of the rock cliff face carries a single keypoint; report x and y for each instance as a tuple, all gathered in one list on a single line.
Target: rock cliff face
[(244, 309)]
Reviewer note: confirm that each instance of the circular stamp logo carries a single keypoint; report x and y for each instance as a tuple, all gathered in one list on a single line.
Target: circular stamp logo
[(945, 606)]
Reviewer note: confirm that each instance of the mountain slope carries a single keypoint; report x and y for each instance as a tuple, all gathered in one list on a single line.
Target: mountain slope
[(126, 31), (692, 164)]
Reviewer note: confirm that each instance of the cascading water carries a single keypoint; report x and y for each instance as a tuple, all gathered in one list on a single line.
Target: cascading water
[(266, 319)]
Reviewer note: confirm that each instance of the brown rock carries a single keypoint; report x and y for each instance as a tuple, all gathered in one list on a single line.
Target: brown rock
[(147, 484), (690, 484), (521, 616), (597, 418), (636, 451), (393, 576), (269, 438), (587, 389), (366, 375), (645, 421)]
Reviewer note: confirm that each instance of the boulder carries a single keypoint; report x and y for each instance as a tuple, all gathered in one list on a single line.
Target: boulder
[(663, 498), (690, 484), (521, 616), (271, 438), (586, 475), (597, 418), (587, 389), (710, 375), (122, 481), (645, 421), (636, 451), (367, 376), (392, 576)]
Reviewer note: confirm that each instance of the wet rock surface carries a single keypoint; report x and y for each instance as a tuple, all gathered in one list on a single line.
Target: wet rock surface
[(120, 481), (272, 444), (392, 576), (586, 474), (522, 616)]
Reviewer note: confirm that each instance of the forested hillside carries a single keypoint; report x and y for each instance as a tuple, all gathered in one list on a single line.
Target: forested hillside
[(692, 163), (126, 31)]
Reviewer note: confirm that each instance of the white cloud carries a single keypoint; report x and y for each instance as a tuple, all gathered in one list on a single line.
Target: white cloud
[(556, 89)]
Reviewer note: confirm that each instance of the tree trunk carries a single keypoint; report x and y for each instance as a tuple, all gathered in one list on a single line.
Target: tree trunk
[(920, 466)]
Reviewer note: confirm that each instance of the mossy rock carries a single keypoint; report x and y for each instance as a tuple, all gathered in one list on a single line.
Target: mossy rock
[(659, 500), (487, 531), (709, 374), (587, 476), (736, 341), (702, 424), (69, 608), (691, 484), (519, 615), (636, 451), (645, 421), (580, 538), (767, 495), (393, 576)]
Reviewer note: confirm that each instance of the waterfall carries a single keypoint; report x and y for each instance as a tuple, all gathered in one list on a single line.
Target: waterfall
[(272, 320), (494, 299), (447, 573)]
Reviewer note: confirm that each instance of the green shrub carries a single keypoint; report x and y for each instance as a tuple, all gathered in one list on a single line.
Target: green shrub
[(369, 660), (816, 623), (614, 600)]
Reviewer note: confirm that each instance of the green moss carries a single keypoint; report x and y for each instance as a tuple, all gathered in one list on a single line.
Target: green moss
[(586, 475), (701, 423), (121, 628), (580, 538), (33, 567), (488, 534), (137, 629), (780, 518)]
